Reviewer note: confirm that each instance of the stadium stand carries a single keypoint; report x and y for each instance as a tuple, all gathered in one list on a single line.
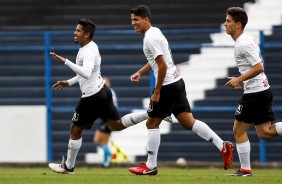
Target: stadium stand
[(63, 14), (119, 64)]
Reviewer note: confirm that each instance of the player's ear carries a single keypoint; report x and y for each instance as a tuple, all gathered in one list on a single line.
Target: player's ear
[(87, 34), (238, 25), (147, 19)]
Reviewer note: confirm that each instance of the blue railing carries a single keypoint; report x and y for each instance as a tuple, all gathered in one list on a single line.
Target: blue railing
[(47, 47)]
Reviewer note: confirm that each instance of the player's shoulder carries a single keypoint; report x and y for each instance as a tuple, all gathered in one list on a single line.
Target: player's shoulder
[(244, 39), (91, 46), (154, 34)]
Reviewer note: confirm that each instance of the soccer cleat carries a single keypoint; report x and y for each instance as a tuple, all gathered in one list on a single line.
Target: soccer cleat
[(242, 172), (226, 154), (168, 119), (142, 169), (61, 168)]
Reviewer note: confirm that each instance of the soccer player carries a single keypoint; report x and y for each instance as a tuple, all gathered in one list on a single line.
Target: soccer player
[(102, 134), (96, 100), (255, 105), (169, 95)]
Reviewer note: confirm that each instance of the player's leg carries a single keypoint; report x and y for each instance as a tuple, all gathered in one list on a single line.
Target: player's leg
[(101, 139), (75, 141), (111, 115), (243, 148), (153, 144), (204, 131), (127, 120), (157, 112), (262, 115), (83, 118), (268, 130), (74, 145), (200, 128), (182, 112), (154, 139)]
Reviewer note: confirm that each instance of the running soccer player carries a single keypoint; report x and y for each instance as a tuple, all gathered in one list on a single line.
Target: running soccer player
[(255, 105), (96, 100), (169, 95)]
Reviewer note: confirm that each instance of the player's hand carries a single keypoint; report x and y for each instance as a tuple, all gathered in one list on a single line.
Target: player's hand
[(57, 57), (234, 83), (135, 77), (60, 85), (155, 98)]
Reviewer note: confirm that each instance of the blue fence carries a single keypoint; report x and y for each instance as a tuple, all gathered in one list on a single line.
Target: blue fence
[(47, 47)]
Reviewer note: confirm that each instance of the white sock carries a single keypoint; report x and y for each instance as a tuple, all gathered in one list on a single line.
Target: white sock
[(153, 144), (278, 127), (244, 150), (204, 131), (73, 148), (133, 118)]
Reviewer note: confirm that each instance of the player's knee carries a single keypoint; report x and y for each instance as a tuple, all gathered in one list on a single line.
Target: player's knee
[(115, 125), (96, 141), (265, 136)]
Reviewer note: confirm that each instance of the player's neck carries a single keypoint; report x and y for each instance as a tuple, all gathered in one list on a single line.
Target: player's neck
[(236, 35), (82, 44), (146, 29)]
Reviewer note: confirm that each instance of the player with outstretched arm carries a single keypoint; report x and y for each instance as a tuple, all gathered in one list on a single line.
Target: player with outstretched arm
[(96, 100)]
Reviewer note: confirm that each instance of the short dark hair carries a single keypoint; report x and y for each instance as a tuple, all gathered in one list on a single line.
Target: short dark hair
[(87, 26), (142, 11), (238, 14)]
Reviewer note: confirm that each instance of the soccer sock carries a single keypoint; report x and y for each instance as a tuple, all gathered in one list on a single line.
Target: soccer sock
[(133, 118), (73, 148), (204, 131), (153, 143), (278, 127), (244, 150), (107, 151)]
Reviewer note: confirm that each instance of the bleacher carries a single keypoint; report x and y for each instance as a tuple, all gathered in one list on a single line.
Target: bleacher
[(22, 72), (63, 14), (273, 68)]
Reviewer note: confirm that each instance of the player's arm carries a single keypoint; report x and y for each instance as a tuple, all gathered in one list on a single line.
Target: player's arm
[(84, 71), (254, 71), (236, 82), (136, 76), (64, 83), (162, 68), (253, 57)]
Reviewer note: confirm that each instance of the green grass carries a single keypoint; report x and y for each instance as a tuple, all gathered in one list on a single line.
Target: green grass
[(122, 176)]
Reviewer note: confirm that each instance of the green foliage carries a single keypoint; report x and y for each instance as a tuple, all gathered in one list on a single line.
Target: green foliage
[(123, 176)]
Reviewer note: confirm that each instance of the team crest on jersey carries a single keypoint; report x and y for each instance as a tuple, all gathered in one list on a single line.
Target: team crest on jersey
[(150, 109), (75, 116), (239, 110)]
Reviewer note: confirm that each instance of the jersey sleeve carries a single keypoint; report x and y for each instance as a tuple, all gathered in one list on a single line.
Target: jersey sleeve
[(88, 65), (153, 44), (252, 54), (72, 81)]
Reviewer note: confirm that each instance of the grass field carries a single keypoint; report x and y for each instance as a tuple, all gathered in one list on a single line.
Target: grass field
[(122, 176)]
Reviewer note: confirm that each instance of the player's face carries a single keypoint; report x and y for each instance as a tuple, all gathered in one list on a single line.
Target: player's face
[(230, 25), (139, 24), (80, 37)]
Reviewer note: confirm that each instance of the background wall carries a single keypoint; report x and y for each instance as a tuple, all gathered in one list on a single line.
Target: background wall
[(23, 134)]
